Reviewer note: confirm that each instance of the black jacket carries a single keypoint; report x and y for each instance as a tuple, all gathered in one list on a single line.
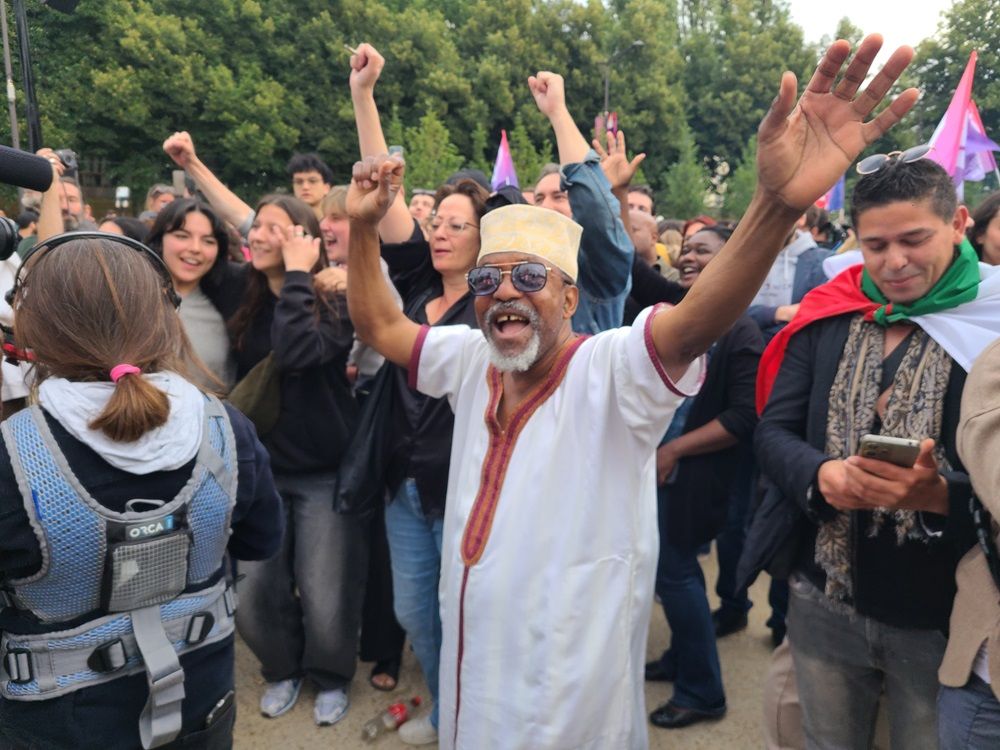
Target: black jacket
[(420, 428), (697, 501), (910, 585), (311, 339)]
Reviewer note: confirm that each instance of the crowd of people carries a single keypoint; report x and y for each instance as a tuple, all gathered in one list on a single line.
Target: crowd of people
[(499, 425)]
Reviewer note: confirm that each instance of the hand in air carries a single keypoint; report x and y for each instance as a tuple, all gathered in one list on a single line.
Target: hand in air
[(180, 148), (614, 161), (366, 67), (375, 182), (803, 148), (549, 92)]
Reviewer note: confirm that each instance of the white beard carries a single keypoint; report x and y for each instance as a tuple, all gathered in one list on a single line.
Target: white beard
[(520, 362), (523, 360)]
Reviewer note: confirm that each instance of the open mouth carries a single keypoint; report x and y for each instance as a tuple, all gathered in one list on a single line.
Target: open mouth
[(510, 324)]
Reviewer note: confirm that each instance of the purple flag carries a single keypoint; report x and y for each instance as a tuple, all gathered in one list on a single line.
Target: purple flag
[(503, 170)]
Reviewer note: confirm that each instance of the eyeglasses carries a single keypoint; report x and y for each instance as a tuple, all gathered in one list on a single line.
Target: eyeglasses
[(451, 228), (526, 277), (875, 162)]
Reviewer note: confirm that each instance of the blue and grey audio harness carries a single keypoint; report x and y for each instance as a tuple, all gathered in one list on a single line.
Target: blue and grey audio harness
[(141, 570)]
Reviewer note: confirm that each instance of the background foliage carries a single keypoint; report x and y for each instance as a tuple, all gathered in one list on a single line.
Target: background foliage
[(257, 80)]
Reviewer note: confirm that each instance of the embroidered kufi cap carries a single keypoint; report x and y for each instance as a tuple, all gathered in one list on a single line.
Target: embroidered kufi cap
[(533, 230)]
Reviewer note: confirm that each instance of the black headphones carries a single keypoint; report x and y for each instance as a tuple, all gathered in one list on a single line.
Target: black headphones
[(61, 239)]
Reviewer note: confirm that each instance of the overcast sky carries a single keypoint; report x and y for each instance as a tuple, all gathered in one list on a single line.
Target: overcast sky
[(899, 22)]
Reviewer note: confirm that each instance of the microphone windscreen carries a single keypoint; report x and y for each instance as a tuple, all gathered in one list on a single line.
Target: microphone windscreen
[(24, 170)]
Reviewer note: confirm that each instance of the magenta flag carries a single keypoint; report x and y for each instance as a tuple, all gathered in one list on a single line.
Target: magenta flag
[(503, 170), (948, 137)]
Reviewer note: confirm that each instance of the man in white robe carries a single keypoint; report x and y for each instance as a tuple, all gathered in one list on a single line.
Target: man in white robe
[(550, 530)]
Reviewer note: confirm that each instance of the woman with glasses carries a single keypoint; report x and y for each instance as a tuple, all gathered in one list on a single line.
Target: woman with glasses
[(430, 275)]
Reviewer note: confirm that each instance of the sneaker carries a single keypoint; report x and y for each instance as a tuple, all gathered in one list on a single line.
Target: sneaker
[(418, 731), (330, 707), (279, 697)]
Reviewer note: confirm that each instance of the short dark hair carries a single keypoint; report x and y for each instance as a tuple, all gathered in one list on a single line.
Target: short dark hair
[(644, 190), (310, 163), (131, 228), (981, 216), (897, 181), (172, 217), (26, 218), (719, 230)]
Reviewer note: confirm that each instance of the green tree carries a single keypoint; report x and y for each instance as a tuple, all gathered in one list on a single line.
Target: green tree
[(741, 183), (528, 158), (735, 53), (685, 183), (431, 157)]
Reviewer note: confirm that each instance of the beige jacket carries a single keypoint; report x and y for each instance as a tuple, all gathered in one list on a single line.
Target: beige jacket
[(976, 615)]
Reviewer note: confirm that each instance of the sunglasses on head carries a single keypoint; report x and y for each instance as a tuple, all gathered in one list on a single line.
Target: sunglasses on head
[(528, 276), (875, 162)]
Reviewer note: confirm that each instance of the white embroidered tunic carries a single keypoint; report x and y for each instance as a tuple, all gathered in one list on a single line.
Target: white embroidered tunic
[(550, 541)]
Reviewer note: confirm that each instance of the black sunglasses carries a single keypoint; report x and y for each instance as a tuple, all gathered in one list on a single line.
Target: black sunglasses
[(526, 277), (875, 162)]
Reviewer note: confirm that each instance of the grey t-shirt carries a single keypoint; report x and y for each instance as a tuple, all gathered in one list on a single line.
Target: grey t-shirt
[(207, 331)]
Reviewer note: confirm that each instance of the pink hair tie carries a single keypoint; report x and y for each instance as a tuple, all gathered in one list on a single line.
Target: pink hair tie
[(120, 371)]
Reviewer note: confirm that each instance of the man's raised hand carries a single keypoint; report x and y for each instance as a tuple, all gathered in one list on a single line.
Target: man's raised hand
[(804, 148), (549, 92), (366, 67), (614, 161), (375, 182)]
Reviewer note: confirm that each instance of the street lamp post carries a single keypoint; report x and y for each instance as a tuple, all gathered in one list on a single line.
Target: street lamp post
[(607, 70)]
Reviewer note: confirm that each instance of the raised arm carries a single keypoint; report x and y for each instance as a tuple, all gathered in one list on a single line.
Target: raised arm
[(618, 169), (606, 251), (378, 321), (803, 149), (180, 148), (366, 67), (50, 219)]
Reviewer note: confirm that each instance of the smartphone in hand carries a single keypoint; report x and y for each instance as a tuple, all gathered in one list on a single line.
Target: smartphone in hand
[(900, 451)]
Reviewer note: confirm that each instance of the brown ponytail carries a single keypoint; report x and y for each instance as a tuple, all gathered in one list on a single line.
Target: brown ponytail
[(88, 305), (136, 406)]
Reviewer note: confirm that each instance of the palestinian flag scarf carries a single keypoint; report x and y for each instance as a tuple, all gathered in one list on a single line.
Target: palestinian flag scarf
[(961, 312)]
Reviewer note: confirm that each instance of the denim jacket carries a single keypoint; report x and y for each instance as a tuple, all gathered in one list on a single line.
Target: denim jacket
[(606, 251)]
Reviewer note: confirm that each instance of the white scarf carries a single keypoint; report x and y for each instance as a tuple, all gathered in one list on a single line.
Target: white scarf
[(168, 447)]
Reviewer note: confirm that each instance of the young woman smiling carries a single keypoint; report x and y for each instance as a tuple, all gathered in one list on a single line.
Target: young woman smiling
[(300, 611), (194, 245)]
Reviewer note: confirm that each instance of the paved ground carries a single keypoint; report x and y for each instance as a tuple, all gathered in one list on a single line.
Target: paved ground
[(744, 658)]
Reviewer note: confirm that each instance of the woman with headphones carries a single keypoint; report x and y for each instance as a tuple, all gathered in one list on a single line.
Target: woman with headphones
[(123, 490)]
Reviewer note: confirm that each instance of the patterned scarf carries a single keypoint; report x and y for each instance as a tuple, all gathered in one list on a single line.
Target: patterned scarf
[(914, 410)]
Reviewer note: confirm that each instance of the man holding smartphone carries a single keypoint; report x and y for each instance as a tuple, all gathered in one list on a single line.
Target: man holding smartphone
[(882, 349)]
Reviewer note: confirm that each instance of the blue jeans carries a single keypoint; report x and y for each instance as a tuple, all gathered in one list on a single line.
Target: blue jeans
[(415, 550), (729, 542), (968, 717), (842, 664), (692, 655)]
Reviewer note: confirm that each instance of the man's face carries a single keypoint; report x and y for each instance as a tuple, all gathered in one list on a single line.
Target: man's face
[(522, 327), (161, 201), (640, 202), (549, 195), (71, 203), (642, 230), (907, 247), (309, 187), (421, 207)]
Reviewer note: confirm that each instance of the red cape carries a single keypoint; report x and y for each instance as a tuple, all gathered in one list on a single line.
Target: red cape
[(839, 296)]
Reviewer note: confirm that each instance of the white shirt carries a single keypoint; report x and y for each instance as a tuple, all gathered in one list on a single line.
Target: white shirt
[(545, 609)]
